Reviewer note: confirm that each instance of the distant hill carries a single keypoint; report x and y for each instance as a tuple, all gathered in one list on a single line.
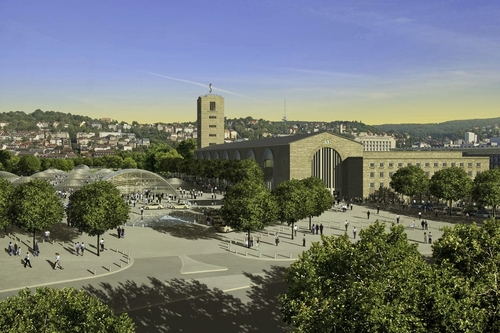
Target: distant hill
[(452, 129)]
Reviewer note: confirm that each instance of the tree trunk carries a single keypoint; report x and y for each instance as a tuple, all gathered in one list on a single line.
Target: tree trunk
[(451, 204), (310, 218), (293, 224), (98, 247), (248, 239), (34, 236)]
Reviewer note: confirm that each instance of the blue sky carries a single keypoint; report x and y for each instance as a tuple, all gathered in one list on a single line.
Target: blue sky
[(371, 61)]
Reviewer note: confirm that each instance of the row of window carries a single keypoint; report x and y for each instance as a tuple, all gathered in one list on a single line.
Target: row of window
[(428, 164), (382, 174)]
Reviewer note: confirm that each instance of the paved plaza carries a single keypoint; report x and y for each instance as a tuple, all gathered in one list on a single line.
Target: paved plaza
[(186, 277)]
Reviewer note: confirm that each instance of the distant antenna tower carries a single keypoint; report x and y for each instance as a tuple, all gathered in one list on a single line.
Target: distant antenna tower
[(284, 116)]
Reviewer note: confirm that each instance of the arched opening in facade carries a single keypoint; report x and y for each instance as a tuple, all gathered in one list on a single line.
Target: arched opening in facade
[(225, 156), (237, 155), (326, 165), (207, 155), (268, 162), (216, 155), (251, 154)]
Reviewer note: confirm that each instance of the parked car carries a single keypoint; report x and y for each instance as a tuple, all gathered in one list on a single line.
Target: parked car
[(180, 205), (154, 206), (221, 227), (416, 205), (483, 213)]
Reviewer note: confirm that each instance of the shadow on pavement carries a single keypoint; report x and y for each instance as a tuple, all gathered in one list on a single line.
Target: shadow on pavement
[(180, 305), (189, 231)]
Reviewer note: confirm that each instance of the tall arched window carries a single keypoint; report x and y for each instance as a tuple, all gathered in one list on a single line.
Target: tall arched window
[(251, 154), (237, 155), (268, 162), (216, 155), (225, 156)]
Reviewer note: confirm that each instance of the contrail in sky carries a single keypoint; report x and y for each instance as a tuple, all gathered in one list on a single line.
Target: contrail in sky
[(194, 83)]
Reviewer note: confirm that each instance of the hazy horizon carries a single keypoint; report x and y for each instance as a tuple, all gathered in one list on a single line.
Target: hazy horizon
[(385, 63)]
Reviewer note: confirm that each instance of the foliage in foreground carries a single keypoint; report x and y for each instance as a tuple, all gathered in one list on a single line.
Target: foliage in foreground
[(382, 284), (60, 311)]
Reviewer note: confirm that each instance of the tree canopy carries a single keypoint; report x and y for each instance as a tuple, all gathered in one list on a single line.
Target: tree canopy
[(6, 190), (35, 206), (450, 184), (248, 206), (486, 188), (186, 148), (410, 181), (66, 310), (290, 195), (97, 208), (318, 198), (28, 165)]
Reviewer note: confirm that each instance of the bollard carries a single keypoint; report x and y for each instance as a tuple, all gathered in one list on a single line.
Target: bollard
[(260, 255), (229, 247), (94, 272), (120, 264), (133, 224), (110, 268), (275, 256), (246, 253), (290, 256)]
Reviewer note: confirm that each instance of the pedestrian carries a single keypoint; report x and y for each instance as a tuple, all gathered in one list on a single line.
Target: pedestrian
[(15, 249), (142, 211), (413, 224), (426, 225), (82, 248), (425, 237), (317, 229), (11, 249), (346, 224), (123, 232), (119, 232), (101, 242), (27, 260), (77, 248), (354, 232), (257, 244), (430, 237), (351, 206), (419, 215), (251, 241), (47, 234), (304, 240), (295, 228), (57, 262), (397, 219), (276, 239), (36, 250), (312, 229), (321, 228), (368, 215), (422, 224), (378, 209)]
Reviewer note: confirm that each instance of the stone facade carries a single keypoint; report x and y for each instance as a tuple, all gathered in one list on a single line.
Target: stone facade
[(210, 111), (378, 167)]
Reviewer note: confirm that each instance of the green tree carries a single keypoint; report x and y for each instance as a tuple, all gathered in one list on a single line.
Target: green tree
[(6, 190), (129, 163), (186, 148), (318, 198), (450, 184), (35, 207), (410, 181), (486, 188), (11, 164), (373, 285), (248, 206), (5, 156), (239, 170), (290, 197), (472, 254), (97, 208), (60, 311)]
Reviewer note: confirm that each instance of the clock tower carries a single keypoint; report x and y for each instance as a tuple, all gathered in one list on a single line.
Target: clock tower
[(210, 119)]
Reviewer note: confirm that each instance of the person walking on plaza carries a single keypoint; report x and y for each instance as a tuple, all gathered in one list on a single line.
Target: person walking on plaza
[(378, 209), (368, 215), (82, 248), (46, 235), (295, 228), (425, 238), (346, 225), (57, 262), (27, 260), (397, 219), (313, 228), (276, 239), (430, 237), (123, 232), (317, 229), (36, 250), (101, 242), (321, 228), (419, 215), (77, 248), (257, 244), (354, 232), (11, 248), (119, 232), (304, 240)]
